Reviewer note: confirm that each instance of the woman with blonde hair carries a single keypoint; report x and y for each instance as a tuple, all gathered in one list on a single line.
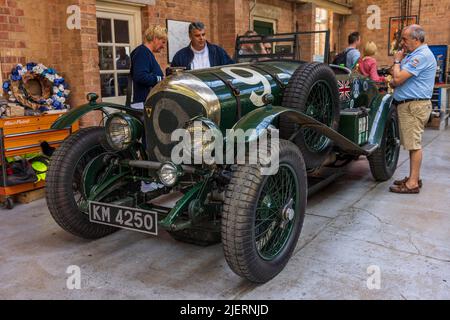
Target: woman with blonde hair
[(145, 70), (368, 64)]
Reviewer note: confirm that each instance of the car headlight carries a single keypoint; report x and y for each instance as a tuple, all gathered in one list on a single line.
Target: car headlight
[(197, 131), (122, 130), (169, 174), (201, 137)]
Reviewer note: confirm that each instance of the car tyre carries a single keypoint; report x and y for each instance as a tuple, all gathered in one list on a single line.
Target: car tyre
[(312, 90), (64, 180), (383, 162), (254, 212)]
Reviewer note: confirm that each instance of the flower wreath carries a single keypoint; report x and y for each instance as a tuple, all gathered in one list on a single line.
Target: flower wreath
[(54, 89)]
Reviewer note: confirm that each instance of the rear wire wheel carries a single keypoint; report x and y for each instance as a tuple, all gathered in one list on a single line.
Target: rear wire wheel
[(312, 90), (383, 162)]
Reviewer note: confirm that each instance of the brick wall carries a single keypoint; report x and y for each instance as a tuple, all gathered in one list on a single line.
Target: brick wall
[(306, 19), (200, 10), (225, 20), (435, 17), (36, 31), (12, 35), (89, 60)]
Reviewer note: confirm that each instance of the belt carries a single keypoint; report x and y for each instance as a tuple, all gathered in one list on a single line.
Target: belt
[(409, 100)]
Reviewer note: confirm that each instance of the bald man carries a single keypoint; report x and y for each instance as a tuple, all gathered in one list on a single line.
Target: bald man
[(414, 75)]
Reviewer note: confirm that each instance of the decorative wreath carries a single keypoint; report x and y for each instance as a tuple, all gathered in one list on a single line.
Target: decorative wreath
[(37, 87)]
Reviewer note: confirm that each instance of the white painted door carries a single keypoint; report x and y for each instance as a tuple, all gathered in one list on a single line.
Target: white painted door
[(118, 33)]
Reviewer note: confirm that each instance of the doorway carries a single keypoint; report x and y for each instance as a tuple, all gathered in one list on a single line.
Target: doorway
[(118, 33)]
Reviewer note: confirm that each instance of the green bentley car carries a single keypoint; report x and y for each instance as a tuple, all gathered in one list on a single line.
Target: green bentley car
[(123, 175)]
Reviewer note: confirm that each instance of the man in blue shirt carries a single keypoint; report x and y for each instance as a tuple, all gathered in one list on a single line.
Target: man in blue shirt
[(200, 53), (145, 70), (353, 54), (413, 74), (350, 56)]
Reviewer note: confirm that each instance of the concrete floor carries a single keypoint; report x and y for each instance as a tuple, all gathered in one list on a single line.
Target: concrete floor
[(353, 224)]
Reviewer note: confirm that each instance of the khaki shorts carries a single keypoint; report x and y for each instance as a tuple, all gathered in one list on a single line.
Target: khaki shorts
[(413, 116)]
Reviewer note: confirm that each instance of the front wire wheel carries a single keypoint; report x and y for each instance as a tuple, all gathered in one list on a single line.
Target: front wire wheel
[(275, 212), (63, 184), (263, 215)]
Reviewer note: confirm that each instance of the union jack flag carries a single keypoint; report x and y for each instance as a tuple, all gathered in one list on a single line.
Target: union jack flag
[(344, 89)]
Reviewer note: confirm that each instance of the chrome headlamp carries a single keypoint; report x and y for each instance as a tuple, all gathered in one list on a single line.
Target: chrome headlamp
[(169, 174), (122, 130), (201, 132)]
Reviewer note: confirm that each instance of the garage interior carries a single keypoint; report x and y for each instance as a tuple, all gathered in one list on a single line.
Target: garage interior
[(358, 242)]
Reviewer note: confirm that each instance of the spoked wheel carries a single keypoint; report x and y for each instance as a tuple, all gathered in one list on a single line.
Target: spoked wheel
[(263, 215), (383, 162), (77, 183), (319, 107), (312, 90), (64, 193), (275, 212)]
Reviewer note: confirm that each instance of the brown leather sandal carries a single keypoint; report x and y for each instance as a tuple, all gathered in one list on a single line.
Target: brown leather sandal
[(400, 182), (404, 189)]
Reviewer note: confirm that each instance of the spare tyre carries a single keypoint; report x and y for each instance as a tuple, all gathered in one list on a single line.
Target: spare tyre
[(312, 90)]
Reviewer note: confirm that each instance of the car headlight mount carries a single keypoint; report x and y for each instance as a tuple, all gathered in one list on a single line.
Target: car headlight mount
[(122, 130)]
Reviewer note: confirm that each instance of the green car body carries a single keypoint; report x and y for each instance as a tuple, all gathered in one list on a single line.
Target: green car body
[(221, 107), (242, 96)]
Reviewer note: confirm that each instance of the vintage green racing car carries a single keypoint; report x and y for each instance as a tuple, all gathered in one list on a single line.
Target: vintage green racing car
[(123, 175)]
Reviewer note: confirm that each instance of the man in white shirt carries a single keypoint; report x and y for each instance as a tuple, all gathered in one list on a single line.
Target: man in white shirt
[(200, 53), (201, 58)]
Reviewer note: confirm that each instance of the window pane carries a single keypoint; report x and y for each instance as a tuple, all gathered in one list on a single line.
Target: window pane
[(105, 55), (107, 83), (104, 32), (263, 28), (122, 80), (121, 31), (123, 60)]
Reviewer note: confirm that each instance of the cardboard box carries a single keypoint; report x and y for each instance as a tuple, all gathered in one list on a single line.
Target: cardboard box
[(31, 196), (434, 123)]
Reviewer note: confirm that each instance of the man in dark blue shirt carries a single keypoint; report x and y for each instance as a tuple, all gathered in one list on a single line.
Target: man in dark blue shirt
[(145, 70), (200, 53)]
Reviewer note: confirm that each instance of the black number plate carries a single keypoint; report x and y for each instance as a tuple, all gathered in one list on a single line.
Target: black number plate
[(123, 217)]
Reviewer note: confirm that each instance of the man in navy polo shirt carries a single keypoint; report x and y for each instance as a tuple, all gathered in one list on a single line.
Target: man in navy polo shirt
[(413, 74)]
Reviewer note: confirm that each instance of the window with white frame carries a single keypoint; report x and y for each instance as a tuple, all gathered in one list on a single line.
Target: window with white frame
[(118, 33)]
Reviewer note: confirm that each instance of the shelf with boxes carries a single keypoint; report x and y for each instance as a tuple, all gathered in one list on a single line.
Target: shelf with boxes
[(20, 136)]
